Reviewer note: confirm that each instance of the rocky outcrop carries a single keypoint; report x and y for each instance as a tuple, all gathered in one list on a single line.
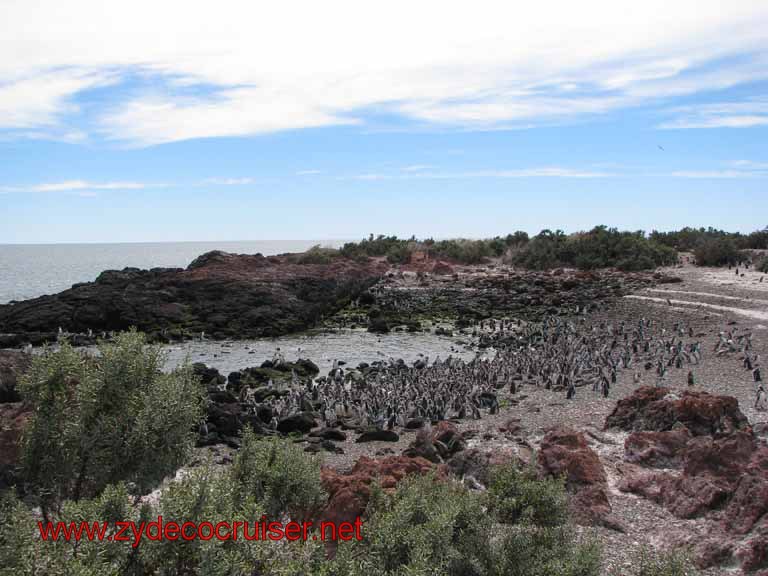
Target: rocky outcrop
[(564, 452), (714, 467), (660, 409), (224, 295), (437, 444), (12, 365), (348, 493), (477, 292)]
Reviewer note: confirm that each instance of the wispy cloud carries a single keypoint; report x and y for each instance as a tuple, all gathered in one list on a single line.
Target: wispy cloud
[(308, 172), (744, 114), (542, 172), (227, 181), (737, 169), (494, 65), (74, 186)]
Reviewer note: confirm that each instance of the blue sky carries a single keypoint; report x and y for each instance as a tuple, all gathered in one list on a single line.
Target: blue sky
[(146, 122)]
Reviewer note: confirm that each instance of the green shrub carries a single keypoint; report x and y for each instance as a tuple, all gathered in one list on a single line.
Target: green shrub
[(716, 252), (103, 419), (268, 478), (671, 563), (317, 255), (601, 247), (430, 527), (425, 527), (23, 552), (279, 474), (516, 495)]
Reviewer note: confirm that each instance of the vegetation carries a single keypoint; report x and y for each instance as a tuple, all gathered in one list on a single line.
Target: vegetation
[(398, 251), (717, 252), (671, 563), (100, 420), (601, 247), (206, 494), (432, 527), (427, 527), (688, 239)]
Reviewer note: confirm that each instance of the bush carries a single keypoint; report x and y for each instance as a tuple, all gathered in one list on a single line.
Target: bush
[(516, 495), (425, 527), (716, 252), (601, 247), (317, 255), (22, 552), (100, 420), (672, 563), (269, 478), (433, 527), (279, 475)]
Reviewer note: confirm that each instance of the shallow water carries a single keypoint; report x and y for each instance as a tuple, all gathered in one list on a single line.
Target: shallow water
[(351, 346)]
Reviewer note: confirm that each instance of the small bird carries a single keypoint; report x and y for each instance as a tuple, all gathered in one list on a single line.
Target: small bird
[(660, 147)]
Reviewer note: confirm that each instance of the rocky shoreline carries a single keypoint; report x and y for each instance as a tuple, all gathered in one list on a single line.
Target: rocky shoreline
[(222, 295)]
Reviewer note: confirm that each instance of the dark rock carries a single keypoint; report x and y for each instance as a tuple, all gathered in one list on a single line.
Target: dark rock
[(378, 435), (226, 418), (301, 422), (224, 295), (330, 434), (378, 325)]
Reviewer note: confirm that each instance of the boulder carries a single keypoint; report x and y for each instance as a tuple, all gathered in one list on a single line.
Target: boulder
[(300, 422), (660, 410), (378, 435), (565, 452), (348, 493), (330, 434), (658, 449)]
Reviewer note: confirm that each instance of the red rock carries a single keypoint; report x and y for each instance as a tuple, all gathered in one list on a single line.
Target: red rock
[(659, 410), (660, 449), (564, 452), (348, 493)]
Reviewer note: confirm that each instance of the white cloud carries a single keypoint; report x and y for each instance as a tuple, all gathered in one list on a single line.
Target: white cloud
[(228, 181), (720, 115), (76, 186), (308, 172), (542, 172), (750, 164), (257, 68), (39, 99)]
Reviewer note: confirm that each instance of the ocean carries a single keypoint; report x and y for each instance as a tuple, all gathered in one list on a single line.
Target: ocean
[(31, 270)]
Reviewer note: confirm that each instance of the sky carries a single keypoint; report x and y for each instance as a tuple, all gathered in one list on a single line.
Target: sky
[(240, 120)]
